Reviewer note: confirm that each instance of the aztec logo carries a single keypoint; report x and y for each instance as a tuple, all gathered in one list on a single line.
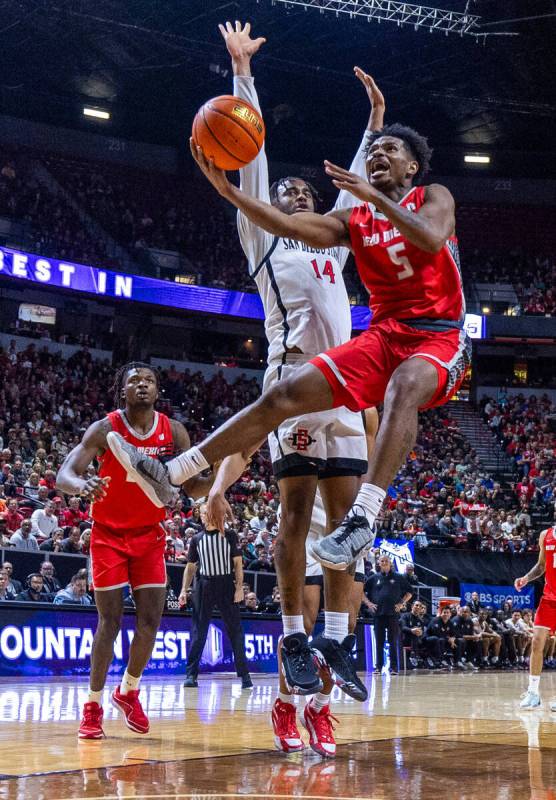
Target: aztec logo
[(301, 439)]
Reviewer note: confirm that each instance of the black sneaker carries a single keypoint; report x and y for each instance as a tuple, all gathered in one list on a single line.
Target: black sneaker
[(190, 682), (246, 682), (298, 665), (148, 473), (337, 657)]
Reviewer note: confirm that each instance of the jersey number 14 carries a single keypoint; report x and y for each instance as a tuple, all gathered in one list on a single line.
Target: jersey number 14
[(328, 270)]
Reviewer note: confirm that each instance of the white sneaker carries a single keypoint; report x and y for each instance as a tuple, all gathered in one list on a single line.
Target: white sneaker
[(553, 705), (530, 700)]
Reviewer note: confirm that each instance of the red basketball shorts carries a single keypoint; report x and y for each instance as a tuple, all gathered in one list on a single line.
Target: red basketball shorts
[(546, 615), (359, 370), (121, 557)]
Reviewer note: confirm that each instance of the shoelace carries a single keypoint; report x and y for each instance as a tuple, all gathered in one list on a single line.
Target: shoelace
[(351, 525), (302, 658), (91, 715), (324, 724), (287, 725)]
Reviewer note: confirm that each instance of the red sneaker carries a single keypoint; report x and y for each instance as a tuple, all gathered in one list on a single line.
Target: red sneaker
[(91, 722), (320, 728), (286, 733), (135, 718)]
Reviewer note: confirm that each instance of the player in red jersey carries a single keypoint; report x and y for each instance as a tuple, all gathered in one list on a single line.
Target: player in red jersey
[(545, 618), (128, 539), (415, 352)]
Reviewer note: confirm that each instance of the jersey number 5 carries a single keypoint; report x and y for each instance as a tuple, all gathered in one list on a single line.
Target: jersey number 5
[(395, 251), (328, 270)]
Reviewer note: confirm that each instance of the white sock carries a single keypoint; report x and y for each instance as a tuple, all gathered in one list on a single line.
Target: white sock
[(534, 681), (94, 697), (369, 501), (129, 683), (320, 700), (336, 625), (293, 624), (186, 465), (285, 698)]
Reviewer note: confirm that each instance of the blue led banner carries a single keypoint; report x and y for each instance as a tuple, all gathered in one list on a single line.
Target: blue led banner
[(496, 596), (122, 286), (57, 641)]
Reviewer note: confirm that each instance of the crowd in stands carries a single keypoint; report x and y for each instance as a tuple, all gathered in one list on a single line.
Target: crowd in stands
[(142, 209)]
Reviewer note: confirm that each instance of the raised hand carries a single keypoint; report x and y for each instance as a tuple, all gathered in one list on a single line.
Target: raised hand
[(239, 42), (95, 488), (216, 176), (357, 186), (219, 511), (376, 98)]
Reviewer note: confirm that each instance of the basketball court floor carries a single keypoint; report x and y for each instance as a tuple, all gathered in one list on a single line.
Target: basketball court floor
[(420, 737)]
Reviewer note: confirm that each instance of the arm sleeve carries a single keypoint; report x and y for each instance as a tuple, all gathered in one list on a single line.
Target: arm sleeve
[(347, 200), (193, 552), (254, 181), (234, 547)]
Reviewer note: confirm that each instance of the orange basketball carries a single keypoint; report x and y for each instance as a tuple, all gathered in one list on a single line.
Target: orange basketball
[(229, 130)]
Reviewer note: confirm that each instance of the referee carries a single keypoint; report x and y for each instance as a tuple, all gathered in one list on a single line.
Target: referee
[(219, 560), (387, 593)]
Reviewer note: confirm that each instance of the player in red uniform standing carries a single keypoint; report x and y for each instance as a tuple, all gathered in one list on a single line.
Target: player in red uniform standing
[(412, 357), (545, 618), (128, 539)]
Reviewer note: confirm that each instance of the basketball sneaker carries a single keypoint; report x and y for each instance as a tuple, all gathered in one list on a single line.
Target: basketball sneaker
[(286, 733), (148, 473), (135, 718), (346, 544), (91, 722), (320, 727), (337, 657), (530, 699), (298, 665), (553, 705)]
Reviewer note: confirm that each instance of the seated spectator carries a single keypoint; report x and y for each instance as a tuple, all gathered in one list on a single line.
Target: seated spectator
[(271, 603), (54, 544), (463, 629), (50, 581), (13, 517), (44, 521), (14, 586), (262, 562), (251, 603), (412, 626), (73, 515), (75, 592), (4, 533), (72, 543), (35, 592), (491, 640), (23, 539), (85, 541), (5, 591), (410, 575), (474, 604)]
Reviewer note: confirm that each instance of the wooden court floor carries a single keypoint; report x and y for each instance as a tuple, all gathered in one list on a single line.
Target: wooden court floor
[(418, 737)]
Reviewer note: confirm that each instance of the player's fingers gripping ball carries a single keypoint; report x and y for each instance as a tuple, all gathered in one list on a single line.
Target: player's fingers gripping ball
[(230, 131)]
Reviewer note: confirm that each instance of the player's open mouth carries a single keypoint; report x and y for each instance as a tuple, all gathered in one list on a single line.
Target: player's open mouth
[(379, 166), (301, 207)]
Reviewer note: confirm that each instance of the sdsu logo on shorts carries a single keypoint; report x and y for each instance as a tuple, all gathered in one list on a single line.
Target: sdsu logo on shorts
[(301, 439)]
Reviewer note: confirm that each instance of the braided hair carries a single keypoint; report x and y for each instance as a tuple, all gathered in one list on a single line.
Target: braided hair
[(274, 187), (120, 379)]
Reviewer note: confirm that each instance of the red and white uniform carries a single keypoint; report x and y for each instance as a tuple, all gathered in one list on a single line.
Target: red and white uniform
[(546, 612), (128, 539), (417, 303)]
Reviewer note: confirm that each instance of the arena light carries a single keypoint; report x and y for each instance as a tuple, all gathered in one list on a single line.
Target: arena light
[(476, 158), (486, 309), (97, 113)]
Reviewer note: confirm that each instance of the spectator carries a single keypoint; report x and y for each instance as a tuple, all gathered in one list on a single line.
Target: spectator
[(14, 586), (44, 521), (13, 517), (4, 533), (5, 592), (23, 539), (35, 590), (72, 544), (251, 602), (73, 515), (50, 581), (54, 544), (258, 523), (410, 576), (75, 592), (463, 629), (474, 603), (262, 562)]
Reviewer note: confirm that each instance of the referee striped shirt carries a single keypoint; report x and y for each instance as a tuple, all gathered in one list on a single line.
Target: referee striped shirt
[(214, 553)]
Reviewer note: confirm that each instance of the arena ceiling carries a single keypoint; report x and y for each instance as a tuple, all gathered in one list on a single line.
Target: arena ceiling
[(153, 62)]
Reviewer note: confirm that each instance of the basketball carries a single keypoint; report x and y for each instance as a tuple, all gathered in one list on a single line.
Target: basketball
[(229, 130)]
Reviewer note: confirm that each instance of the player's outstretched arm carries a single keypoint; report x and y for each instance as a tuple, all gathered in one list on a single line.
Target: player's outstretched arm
[(70, 478), (240, 46), (376, 99), (538, 570), (313, 229), (229, 471)]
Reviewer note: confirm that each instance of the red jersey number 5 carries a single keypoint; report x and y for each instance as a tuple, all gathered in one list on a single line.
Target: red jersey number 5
[(394, 252)]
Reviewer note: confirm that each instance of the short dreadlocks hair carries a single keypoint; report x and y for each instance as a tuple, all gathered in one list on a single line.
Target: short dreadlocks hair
[(417, 145), (120, 378), (273, 191)]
